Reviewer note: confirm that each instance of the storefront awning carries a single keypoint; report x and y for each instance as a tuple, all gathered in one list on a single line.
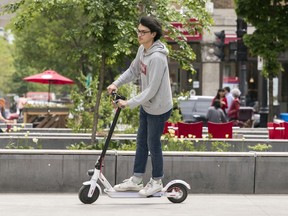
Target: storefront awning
[(195, 37), (230, 79), (230, 38)]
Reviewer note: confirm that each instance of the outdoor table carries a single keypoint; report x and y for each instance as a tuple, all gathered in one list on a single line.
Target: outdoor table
[(46, 117)]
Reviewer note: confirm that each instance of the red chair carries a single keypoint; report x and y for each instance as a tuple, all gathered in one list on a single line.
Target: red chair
[(270, 127), (220, 130), (190, 130), (285, 134), (167, 126), (278, 131)]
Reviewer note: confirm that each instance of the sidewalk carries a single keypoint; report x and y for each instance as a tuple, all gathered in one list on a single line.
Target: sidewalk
[(195, 204)]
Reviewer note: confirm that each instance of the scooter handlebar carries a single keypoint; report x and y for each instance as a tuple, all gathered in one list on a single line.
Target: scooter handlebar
[(116, 97)]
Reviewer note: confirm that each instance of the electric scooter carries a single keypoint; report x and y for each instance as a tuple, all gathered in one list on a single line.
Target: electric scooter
[(175, 191)]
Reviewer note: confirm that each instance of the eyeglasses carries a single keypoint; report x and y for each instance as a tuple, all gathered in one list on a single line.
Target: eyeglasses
[(141, 32)]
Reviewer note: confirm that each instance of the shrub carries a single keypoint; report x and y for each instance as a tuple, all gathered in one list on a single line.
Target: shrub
[(260, 147), (220, 146)]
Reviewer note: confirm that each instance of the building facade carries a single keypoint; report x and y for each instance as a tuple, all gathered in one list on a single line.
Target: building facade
[(213, 74)]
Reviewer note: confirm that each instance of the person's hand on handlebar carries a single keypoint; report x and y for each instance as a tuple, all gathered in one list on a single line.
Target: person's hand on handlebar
[(121, 103), (112, 88)]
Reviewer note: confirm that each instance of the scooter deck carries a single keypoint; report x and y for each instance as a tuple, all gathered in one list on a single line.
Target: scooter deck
[(129, 194)]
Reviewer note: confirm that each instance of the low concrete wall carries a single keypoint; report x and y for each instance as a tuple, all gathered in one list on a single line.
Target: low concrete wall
[(49, 171), (206, 172), (26, 126), (62, 142), (271, 174)]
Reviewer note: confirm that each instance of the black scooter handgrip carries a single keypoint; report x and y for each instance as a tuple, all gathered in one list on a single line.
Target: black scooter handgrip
[(116, 96)]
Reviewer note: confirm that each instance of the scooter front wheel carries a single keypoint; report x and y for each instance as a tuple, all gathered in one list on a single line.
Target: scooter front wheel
[(180, 190), (83, 194)]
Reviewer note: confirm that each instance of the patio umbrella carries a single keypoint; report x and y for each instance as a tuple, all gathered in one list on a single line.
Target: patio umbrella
[(49, 77)]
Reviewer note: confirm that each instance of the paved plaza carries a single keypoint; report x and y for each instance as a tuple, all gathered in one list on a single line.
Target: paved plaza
[(196, 204)]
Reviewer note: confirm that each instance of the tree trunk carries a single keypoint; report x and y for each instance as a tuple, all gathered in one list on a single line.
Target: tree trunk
[(98, 98), (270, 90)]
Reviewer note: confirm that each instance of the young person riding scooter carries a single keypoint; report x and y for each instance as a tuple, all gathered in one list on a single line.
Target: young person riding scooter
[(155, 100)]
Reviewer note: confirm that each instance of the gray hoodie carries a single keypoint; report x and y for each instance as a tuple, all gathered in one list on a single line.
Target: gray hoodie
[(152, 69)]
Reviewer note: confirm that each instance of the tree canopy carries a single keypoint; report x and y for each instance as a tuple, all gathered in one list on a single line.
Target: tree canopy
[(6, 66), (270, 37), (95, 36)]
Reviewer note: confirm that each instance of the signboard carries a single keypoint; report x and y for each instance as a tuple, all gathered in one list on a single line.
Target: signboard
[(196, 84), (232, 82), (195, 37), (230, 38), (260, 63)]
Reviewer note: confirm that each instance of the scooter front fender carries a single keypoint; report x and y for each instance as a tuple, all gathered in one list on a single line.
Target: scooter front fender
[(177, 181), (93, 185)]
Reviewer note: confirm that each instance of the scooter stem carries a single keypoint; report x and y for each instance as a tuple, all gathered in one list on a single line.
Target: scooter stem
[(98, 164), (103, 153)]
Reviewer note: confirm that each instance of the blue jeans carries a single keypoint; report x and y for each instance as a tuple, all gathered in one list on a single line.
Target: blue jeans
[(149, 140)]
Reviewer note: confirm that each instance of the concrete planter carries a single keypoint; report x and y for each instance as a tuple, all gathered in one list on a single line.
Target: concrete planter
[(63, 141), (206, 172)]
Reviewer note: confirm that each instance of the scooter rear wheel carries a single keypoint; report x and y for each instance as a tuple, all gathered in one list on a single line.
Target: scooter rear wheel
[(83, 194), (179, 188)]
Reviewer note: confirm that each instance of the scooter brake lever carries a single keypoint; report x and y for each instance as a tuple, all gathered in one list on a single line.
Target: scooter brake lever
[(116, 97)]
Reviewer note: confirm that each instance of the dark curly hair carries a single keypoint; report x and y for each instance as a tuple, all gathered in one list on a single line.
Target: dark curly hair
[(153, 24)]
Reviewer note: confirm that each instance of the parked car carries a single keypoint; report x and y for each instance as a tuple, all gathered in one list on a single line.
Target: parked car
[(194, 108)]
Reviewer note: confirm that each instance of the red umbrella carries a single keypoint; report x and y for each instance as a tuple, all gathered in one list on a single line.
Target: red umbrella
[(49, 77)]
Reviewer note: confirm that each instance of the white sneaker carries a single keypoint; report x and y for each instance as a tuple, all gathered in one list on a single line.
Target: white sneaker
[(129, 185), (153, 186)]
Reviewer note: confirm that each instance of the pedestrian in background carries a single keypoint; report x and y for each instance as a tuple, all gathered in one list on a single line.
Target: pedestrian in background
[(21, 102), (3, 113), (215, 113), (155, 101), (233, 113), (229, 97), (221, 97)]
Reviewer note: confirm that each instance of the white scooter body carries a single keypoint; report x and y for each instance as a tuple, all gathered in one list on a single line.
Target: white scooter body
[(175, 191), (109, 190)]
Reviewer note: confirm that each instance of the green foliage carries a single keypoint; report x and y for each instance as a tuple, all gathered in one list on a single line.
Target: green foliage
[(260, 147), (270, 38), (42, 45), (170, 142), (93, 36), (82, 146), (175, 144), (176, 114), (220, 146), (128, 116), (71, 36), (24, 143), (184, 95), (129, 145), (6, 66), (83, 105)]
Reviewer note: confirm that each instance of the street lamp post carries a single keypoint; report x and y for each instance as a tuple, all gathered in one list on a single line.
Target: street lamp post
[(241, 57), (243, 83), (264, 110)]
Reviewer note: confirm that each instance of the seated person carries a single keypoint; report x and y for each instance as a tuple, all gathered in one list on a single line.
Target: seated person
[(2, 113), (215, 113)]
